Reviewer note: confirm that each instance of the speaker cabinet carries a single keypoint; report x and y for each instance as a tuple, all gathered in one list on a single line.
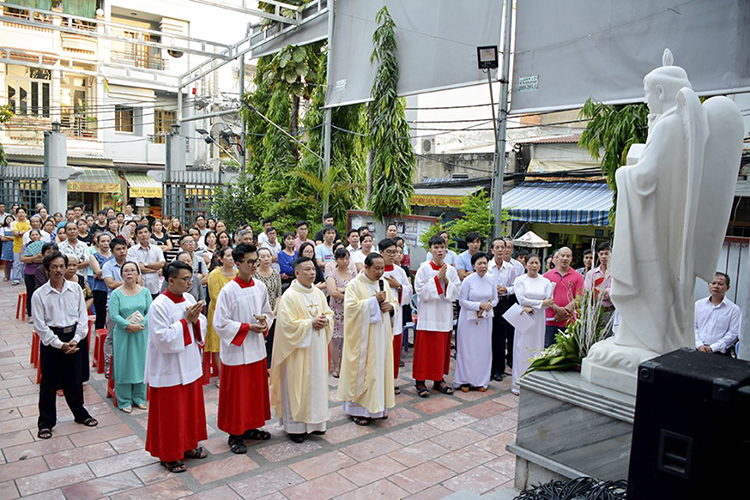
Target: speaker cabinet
[(691, 434)]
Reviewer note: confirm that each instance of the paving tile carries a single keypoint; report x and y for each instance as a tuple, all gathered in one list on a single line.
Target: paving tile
[(465, 459), (512, 414), (15, 382), (219, 493), (372, 470), (508, 400), (127, 443), (79, 455), (493, 425), (458, 438), (20, 424), (102, 487), (69, 428), (222, 469), (37, 448), (153, 473), (14, 470), (10, 414), (287, 449), (434, 493), (418, 453), (379, 489), (322, 488), (216, 445), (497, 443), (435, 404), (266, 483), (336, 414), (371, 448), (396, 416), (421, 477), (345, 432), (164, 490), (475, 395), (15, 438), (119, 463), (505, 465), (451, 421), (53, 479), (55, 494), (8, 491), (485, 409), (479, 480), (322, 464), (101, 434), (413, 434)]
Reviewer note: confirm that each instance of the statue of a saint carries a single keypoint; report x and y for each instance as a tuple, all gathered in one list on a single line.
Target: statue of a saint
[(673, 207)]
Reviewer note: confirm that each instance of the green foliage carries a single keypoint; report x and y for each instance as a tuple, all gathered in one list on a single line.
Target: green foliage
[(6, 113), (393, 160), (612, 128)]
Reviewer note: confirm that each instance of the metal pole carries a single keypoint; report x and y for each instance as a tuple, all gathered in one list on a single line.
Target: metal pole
[(327, 114), (495, 182), (243, 134), (497, 202)]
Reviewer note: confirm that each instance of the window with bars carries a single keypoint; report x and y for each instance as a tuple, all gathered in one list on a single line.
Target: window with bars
[(124, 118), (163, 121), (29, 91)]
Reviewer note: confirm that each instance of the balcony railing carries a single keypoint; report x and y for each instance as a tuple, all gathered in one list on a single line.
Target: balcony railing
[(139, 60), (77, 124)]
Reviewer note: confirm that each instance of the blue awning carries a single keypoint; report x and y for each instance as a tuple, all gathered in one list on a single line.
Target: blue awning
[(580, 203)]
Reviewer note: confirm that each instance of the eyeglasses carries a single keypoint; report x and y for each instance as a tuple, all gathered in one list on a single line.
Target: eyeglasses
[(249, 262), (186, 279)]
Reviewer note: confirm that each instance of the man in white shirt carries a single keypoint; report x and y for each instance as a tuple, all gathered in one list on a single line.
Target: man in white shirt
[(73, 246), (36, 223), (352, 237), (61, 320), (150, 259), (273, 245), (263, 237), (718, 320), (200, 223), (128, 212), (509, 257), (502, 332), (242, 319)]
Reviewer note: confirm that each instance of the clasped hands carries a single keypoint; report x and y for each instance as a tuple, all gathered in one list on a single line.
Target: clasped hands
[(193, 312), (319, 322), (70, 347)]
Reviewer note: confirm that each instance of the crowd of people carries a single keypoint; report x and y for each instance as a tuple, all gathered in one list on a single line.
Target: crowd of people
[(280, 313)]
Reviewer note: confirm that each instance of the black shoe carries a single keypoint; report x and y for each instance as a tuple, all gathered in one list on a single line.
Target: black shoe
[(297, 438), (401, 364), (497, 377), (236, 445)]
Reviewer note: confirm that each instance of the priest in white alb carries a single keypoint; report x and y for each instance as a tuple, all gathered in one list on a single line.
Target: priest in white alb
[(299, 366), (400, 285), (366, 381), (177, 414), (242, 319), (437, 286)]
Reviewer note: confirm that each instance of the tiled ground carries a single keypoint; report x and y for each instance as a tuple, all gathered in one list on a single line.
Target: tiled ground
[(428, 448)]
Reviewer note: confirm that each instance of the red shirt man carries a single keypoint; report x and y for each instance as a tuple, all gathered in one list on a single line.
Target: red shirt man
[(568, 285)]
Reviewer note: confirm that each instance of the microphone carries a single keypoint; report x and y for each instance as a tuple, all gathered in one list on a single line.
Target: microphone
[(381, 283)]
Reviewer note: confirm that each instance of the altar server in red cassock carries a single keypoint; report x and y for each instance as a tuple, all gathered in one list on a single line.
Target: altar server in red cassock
[(437, 286), (242, 319), (401, 287), (176, 329)]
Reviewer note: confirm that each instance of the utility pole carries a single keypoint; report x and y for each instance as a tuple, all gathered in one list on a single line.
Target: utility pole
[(497, 200), (243, 134), (328, 112)]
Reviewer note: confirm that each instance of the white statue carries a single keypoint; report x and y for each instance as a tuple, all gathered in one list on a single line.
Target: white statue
[(673, 207)]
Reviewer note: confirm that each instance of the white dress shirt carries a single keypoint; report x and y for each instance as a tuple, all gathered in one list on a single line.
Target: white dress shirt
[(147, 255), (236, 307), (504, 275), (60, 309), (169, 361), (716, 326)]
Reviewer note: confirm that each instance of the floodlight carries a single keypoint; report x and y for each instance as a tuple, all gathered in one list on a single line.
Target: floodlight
[(487, 57)]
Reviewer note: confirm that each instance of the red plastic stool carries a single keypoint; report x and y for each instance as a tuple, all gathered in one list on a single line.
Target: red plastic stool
[(21, 306), (34, 348), (92, 322), (101, 335), (111, 382), (209, 367)]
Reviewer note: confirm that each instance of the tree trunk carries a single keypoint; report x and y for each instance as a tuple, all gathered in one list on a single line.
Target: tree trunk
[(294, 121), (370, 155)]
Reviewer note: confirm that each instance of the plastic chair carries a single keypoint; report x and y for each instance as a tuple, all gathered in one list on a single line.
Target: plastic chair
[(101, 335), (111, 382), (21, 306)]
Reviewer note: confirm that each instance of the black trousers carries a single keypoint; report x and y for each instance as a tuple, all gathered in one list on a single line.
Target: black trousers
[(60, 371), (28, 279), (502, 336), (100, 306)]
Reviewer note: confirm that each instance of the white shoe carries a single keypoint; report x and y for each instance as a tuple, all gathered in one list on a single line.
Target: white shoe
[(127, 409)]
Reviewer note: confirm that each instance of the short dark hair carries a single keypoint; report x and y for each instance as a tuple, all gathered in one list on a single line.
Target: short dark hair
[(340, 253), (386, 243), (75, 224), (436, 240), (371, 257), (725, 275), (301, 260), (287, 235), (604, 247), (327, 216), (363, 228), (182, 238), (477, 256), (397, 239), (117, 241), (327, 228), (47, 246), (443, 231), (587, 252), (497, 239), (142, 226), (301, 223), (270, 229), (52, 256), (243, 249), (522, 253), (366, 235), (392, 224), (199, 216), (102, 212), (80, 205), (534, 256), (266, 221), (473, 236), (352, 230), (172, 270)]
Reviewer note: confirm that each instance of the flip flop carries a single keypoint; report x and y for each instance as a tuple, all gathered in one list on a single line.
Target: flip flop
[(198, 453), (361, 420), (175, 467), (90, 422), (44, 433)]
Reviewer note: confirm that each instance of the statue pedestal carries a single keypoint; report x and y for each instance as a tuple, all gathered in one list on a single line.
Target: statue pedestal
[(614, 366), (568, 427)]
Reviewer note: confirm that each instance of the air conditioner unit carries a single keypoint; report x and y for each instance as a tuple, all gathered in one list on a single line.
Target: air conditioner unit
[(426, 145)]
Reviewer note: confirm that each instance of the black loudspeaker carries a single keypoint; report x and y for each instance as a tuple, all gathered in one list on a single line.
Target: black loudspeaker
[(691, 434)]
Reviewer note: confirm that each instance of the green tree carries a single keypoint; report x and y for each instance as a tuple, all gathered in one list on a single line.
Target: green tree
[(6, 113), (393, 159), (613, 129)]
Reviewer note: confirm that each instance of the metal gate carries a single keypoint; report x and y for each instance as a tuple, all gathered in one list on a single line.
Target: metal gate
[(24, 185), (190, 193)]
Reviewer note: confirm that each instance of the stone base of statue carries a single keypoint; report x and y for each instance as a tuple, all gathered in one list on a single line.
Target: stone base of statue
[(615, 366), (568, 427)]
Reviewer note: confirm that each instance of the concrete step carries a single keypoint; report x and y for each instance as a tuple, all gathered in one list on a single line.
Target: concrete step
[(503, 494)]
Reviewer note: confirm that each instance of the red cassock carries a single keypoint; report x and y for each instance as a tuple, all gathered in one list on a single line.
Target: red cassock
[(396, 354), (176, 420), (244, 402), (431, 355)]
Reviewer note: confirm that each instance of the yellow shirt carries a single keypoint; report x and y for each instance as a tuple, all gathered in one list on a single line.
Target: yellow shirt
[(21, 227)]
